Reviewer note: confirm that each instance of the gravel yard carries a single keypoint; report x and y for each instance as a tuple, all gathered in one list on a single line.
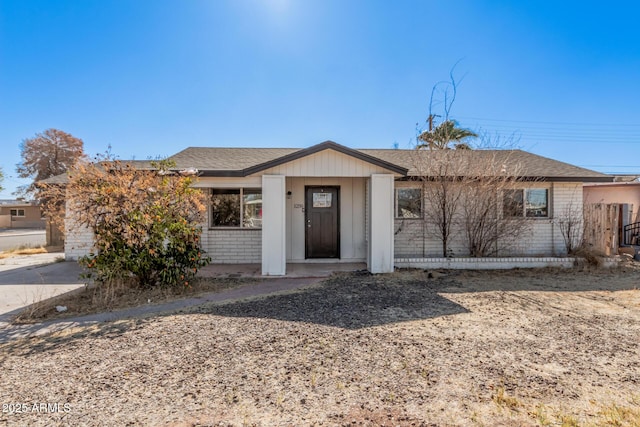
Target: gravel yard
[(542, 347)]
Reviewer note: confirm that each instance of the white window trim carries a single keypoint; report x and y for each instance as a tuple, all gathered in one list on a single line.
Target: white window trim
[(17, 215)]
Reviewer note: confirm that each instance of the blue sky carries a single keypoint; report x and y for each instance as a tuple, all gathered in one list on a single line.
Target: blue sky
[(152, 77)]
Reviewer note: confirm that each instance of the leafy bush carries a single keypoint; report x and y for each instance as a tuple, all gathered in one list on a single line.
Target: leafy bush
[(145, 222)]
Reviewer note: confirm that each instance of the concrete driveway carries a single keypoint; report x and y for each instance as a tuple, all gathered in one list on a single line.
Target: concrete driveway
[(31, 278)]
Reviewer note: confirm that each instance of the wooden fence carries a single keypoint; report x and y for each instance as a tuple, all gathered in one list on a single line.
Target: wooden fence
[(601, 225), (55, 236)]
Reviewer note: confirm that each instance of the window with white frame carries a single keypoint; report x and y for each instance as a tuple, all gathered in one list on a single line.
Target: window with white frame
[(17, 212), (236, 207), (527, 202), (408, 203)]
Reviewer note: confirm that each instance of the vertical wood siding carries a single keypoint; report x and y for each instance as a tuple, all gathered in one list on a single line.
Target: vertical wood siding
[(352, 214), (327, 163)]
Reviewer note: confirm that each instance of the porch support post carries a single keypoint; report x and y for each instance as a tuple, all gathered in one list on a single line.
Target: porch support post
[(274, 257), (380, 256)]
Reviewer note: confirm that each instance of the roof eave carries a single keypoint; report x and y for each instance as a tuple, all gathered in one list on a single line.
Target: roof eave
[(604, 179), (574, 178)]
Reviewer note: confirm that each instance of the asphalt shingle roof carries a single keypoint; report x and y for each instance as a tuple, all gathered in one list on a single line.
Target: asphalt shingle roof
[(221, 161), (528, 164), (227, 159)]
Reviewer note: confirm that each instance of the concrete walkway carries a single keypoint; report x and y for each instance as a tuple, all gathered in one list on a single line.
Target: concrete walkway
[(28, 279)]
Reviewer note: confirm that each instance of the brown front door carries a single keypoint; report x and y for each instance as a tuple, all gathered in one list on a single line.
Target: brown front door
[(322, 225)]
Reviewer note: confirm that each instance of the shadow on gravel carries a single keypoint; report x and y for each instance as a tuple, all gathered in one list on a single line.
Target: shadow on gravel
[(64, 338), (347, 301)]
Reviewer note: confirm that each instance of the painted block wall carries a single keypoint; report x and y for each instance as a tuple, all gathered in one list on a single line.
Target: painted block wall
[(411, 238), (545, 237), (232, 246), (79, 240), (414, 237), (224, 246)]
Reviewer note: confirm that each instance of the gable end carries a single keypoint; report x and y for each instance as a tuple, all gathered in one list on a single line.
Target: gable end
[(327, 145)]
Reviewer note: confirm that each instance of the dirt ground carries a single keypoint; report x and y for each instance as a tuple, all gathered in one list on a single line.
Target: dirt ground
[(538, 347)]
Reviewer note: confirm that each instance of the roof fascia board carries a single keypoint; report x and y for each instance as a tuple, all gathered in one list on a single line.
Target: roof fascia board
[(570, 179), (222, 173), (530, 178)]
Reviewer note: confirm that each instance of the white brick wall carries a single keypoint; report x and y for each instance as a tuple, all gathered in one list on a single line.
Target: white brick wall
[(484, 263), (542, 239), (233, 246), (568, 196), (545, 238), (225, 246), (411, 240), (78, 241), (78, 244), (414, 239)]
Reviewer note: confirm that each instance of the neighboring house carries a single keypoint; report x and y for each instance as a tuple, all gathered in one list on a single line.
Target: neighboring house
[(627, 196), (331, 203), (55, 235), (624, 193), (20, 214)]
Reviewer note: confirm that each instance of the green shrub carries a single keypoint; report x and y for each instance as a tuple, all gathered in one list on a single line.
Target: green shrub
[(145, 223)]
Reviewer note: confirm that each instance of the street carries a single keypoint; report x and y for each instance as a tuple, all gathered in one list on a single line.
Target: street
[(14, 238)]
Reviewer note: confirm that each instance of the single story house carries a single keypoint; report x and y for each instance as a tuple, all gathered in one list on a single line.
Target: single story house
[(331, 203), (20, 214)]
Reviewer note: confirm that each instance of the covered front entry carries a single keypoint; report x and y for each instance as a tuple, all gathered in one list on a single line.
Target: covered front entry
[(322, 222), (327, 204)]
